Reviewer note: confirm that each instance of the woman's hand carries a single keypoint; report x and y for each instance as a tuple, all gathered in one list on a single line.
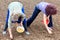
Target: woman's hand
[(46, 22), (10, 33), (21, 24)]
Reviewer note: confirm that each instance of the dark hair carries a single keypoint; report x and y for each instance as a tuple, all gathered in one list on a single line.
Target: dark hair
[(20, 18), (51, 10)]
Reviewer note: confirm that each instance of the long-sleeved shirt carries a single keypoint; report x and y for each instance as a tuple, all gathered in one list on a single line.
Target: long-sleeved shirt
[(13, 9)]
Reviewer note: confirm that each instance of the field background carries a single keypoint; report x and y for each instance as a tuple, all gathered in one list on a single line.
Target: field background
[(37, 29)]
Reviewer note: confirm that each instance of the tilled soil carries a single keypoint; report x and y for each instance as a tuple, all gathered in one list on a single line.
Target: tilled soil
[(37, 29)]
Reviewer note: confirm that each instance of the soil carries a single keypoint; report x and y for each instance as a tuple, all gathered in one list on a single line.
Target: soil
[(37, 29)]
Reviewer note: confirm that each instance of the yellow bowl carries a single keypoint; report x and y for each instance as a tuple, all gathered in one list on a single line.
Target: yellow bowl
[(20, 29)]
